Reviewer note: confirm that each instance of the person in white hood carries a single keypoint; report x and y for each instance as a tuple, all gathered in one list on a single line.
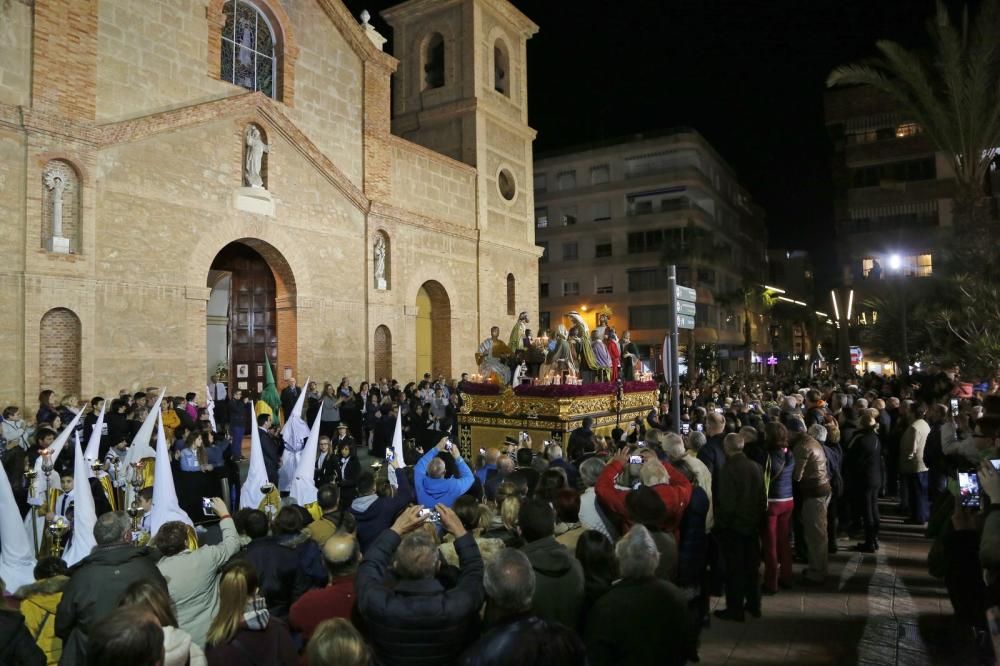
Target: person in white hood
[(178, 648)]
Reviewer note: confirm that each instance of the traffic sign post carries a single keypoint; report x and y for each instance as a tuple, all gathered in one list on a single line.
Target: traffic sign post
[(682, 315)]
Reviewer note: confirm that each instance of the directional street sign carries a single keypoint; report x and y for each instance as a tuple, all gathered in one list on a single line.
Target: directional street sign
[(685, 321), (686, 294), (685, 308)]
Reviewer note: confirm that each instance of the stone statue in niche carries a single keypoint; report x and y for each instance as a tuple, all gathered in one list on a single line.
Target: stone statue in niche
[(255, 157), (58, 185), (380, 251)]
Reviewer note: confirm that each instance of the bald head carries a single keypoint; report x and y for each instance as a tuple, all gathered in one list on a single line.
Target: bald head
[(341, 555), (715, 424), (436, 468)]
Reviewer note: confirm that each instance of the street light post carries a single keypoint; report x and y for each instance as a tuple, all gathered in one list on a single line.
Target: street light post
[(896, 265)]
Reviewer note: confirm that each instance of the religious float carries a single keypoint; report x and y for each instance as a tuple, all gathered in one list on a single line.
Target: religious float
[(492, 412)]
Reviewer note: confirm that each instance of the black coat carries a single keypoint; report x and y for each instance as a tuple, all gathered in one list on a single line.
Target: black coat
[(95, 585), (348, 479), (288, 398), (650, 608), (863, 461), (327, 472), (17, 647), (419, 622), (272, 450), (581, 440), (282, 580), (529, 640)]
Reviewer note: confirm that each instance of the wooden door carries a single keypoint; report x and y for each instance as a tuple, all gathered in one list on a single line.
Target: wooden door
[(253, 324)]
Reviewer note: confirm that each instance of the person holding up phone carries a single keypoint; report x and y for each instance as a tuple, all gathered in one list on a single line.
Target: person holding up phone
[(429, 476)]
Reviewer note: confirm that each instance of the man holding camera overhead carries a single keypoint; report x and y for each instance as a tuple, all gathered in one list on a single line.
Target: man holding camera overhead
[(429, 477)]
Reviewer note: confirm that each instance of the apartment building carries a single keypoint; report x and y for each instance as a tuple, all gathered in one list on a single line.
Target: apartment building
[(610, 217)]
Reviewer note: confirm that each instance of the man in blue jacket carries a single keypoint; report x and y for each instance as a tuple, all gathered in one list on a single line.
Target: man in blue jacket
[(428, 477)]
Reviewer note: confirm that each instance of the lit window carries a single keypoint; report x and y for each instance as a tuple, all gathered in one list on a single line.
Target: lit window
[(248, 57), (866, 265), (541, 217), (923, 266), (907, 129)]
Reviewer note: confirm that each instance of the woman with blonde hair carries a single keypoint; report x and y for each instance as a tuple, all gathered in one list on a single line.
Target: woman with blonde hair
[(243, 631), (337, 643), (504, 524), (178, 648)]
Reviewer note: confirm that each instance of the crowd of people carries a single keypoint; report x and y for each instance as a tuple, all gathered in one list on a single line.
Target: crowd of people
[(526, 551)]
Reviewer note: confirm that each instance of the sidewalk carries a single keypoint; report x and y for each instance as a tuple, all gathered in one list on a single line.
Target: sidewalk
[(880, 609)]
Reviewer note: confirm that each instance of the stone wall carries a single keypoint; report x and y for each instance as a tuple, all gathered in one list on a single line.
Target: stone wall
[(15, 52)]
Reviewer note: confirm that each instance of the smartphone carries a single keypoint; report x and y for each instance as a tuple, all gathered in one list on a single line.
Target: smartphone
[(206, 506), (390, 455), (968, 489), (482, 452), (719, 410), (430, 515), (448, 446), (996, 464), (524, 436), (699, 426), (954, 406), (685, 428), (635, 460)]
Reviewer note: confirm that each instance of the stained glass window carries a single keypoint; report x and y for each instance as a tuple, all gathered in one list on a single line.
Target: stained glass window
[(248, 57)]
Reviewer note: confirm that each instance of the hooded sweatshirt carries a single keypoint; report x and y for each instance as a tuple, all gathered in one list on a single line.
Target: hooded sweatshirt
[(38, 605), (179, 650), (440, 491), (375, 514), (558, 581)]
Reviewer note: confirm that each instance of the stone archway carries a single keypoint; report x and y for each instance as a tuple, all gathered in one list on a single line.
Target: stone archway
[(433, 330), (252, 308)]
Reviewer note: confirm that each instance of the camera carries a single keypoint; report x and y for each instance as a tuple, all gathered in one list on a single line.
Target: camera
[(430, 515), (206, 506)]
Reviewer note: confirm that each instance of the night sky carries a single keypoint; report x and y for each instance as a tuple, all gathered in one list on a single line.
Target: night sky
[(748, 74)]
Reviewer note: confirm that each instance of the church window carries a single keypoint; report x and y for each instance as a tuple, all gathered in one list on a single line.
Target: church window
[(434, 62), (501, 67), (248, 48)]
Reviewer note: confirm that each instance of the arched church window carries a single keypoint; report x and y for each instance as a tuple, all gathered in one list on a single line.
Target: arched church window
[(501, 67), (434, 62), (249, 57), (511, 295)]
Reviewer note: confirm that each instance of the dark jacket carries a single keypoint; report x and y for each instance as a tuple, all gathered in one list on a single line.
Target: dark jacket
[(692, 549), (272, 454), (640, 621), (288, 398), (581, 440), (17, 647), (327, 472), (714, 458), (527, 640), (418, 622), (572, 475), (281, 579), (96, 584), (739, 502), (863, 461), (376, 514), (782, 467), (834, 467), (273, 647), (238, 412), (558, 581)]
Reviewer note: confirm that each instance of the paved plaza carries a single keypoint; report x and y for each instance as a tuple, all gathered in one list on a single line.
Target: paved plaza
[(875, 609)]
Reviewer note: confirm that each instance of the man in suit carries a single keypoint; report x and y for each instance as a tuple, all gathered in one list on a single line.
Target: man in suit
[(288, 397), (270, 447)]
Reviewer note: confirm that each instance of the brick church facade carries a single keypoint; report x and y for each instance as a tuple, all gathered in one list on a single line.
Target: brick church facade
[(385, 237)]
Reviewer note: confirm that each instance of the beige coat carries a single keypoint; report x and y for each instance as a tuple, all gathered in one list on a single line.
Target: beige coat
[(193, 581), (911, 447)]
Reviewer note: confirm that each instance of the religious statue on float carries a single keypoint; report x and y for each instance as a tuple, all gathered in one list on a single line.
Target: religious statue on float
[(491, 357), (592, 368), (518, 340), (560, 358)]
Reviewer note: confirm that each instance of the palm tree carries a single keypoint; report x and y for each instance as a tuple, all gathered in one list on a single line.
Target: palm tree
[(952, 92)]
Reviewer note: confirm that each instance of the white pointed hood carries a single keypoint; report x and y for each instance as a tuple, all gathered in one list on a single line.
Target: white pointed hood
[(93, 451), (165, 505), (56, 448), (17, 557), (210, 408), (250, 495), (296, 430), (303, 488), (84, 513), (140, 443), (397, 439)]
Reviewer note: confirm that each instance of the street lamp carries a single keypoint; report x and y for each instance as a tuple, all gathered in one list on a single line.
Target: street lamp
[(896, 265)]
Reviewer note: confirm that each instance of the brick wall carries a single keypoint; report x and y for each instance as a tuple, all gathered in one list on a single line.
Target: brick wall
[(59, 352), (65, 57)]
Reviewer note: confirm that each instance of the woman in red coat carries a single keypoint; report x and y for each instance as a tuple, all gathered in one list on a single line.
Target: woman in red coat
[(615, 352)]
